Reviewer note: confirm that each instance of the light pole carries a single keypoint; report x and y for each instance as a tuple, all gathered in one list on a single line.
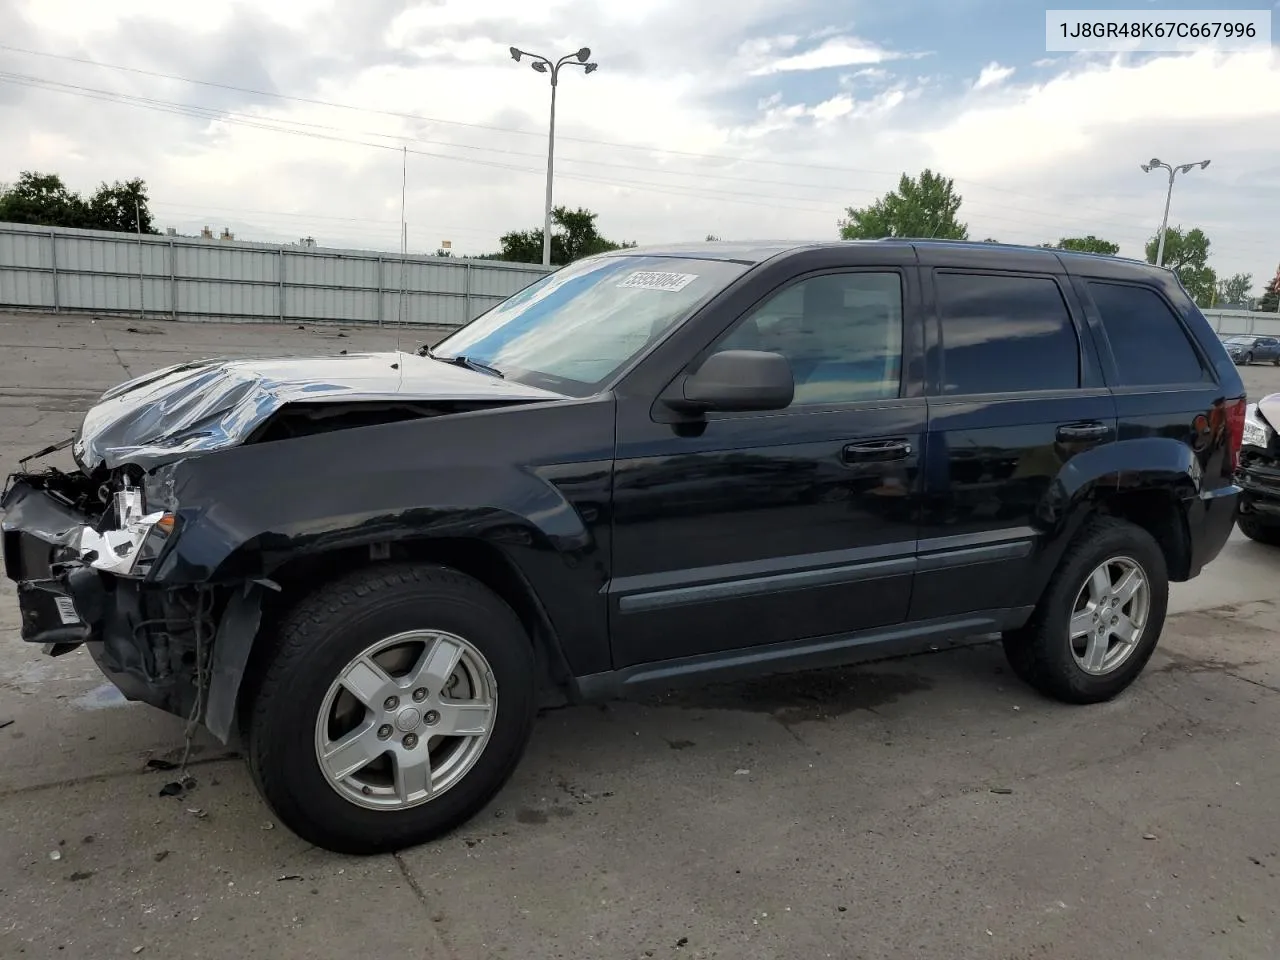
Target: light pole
[(1164, 224), (543, 65)]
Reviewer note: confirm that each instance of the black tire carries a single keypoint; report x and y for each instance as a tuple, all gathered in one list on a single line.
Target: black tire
[(326, 631), (1255, 528), (1040, 653), (1275, 361)]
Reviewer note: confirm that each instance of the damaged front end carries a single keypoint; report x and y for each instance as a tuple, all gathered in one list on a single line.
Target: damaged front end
[(82, 550)]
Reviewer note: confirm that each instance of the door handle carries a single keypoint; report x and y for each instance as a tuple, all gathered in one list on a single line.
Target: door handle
[(875, 451), (1076, 432)]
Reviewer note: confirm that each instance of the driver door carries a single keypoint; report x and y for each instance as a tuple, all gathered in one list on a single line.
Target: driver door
[(766, 527)]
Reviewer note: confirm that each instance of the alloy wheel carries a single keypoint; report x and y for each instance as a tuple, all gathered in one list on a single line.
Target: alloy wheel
[(406, 719)]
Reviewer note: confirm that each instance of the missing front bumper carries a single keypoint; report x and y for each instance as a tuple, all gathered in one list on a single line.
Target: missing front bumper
[(181, 649)]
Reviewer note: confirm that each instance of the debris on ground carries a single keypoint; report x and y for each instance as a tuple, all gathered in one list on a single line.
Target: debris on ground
[(1148, 836), (741, 773), (80, 875), (55, 854), (178, 788), (289, 876), (159, 855), (198, 813), (1002, 791), (5, 723), (156, 763)]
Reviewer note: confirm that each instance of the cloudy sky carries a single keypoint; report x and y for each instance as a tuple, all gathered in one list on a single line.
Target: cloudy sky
[(743, 118)]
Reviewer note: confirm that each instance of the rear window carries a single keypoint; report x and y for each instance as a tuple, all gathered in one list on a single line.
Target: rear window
[(1005, 334), (1150, 345)]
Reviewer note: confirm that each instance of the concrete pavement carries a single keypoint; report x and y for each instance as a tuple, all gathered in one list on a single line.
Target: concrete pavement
[(932, 807)]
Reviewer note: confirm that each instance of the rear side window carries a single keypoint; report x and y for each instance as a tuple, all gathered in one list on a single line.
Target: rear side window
[(1005, 334), (1149, 344)]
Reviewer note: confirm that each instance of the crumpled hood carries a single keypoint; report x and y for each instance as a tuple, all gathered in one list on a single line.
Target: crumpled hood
[(1269, 407), (212, 404)]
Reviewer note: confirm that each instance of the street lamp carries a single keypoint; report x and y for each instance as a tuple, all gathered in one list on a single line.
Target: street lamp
[(1164, 224), (542, 65)]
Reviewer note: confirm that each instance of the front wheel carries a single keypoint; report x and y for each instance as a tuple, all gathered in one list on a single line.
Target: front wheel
[(393, 705), (1100, 618), (1255, 528)]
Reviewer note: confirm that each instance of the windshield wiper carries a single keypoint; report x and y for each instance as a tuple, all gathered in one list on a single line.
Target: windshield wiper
[(461, 361)]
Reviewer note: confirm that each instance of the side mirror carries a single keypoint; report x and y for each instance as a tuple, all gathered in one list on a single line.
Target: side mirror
[(734, 380)]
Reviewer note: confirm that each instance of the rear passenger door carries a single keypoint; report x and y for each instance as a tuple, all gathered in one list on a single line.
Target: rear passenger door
[(1162, 380), (1014, 392)]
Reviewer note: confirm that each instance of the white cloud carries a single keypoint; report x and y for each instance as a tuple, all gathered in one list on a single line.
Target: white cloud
[(992, 75), (836, 52), (792, 147)]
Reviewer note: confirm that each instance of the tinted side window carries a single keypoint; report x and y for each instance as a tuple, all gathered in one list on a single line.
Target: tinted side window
[(1149, 344), (841, 332), (1005, 334)]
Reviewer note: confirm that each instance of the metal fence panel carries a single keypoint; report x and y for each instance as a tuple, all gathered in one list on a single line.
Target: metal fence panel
[(188, 278)]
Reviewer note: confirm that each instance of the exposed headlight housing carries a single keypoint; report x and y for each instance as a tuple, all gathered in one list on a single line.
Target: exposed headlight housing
[(139, 535)]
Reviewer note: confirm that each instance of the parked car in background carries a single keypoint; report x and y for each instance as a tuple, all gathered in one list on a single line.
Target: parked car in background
[(654, 466), (1250, 349), (1259, 476)]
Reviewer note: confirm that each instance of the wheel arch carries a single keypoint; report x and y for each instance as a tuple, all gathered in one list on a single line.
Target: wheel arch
[(1146, 480), (233, 687)]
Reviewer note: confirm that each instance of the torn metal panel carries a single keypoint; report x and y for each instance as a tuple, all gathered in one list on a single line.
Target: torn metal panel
[(214, 404), (230, 657), (29, 508)]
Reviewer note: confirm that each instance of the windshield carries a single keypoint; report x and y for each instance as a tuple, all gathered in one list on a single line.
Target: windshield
[(1240, 340), (574, 329)]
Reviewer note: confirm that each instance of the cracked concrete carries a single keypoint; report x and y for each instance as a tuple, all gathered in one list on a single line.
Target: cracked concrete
[(932, 808)]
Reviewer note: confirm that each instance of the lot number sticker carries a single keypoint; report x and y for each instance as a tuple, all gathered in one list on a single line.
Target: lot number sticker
[(66, 610), (653, 280)]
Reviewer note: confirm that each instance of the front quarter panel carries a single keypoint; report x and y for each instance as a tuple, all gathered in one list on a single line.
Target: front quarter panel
[(533, 481)]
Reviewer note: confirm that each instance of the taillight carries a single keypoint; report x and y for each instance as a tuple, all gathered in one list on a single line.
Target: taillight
[(1235, 429)]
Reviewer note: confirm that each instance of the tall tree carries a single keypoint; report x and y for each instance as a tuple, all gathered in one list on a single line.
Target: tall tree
[(577, 237), (923, 206), (1187, 255), (1089, 244), (42, 199), (1234, 289), (121, 206), (1270, 301)]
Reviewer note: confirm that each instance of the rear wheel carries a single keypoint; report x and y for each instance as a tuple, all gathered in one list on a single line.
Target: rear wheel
[(1255, 528), (394, 704), (1100, 618)]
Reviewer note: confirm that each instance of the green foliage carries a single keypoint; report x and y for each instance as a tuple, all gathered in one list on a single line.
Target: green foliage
[(1234, 289), (577, 237), (1089, 244), (42, 199), (1270, 301), (1187, 255), (924, 206)]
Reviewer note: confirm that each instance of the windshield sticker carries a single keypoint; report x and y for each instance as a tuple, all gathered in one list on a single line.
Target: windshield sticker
[(653, 280)]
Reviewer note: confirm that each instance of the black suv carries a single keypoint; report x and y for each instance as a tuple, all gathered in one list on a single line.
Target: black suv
[(652, 466)]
